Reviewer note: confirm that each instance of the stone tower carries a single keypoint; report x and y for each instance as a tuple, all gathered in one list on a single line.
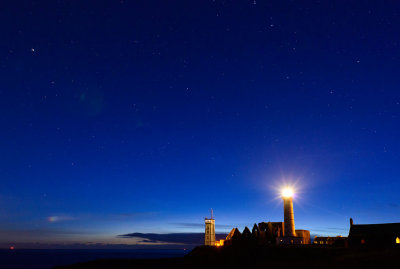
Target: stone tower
[(288, 216), (210, 231)]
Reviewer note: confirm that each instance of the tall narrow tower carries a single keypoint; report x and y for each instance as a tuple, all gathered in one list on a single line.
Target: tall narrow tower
[(210, 231), (287, 196)]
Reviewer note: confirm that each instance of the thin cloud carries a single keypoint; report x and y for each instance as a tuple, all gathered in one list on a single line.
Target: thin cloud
[(331, 230), (171, 238), (53, 219), (201, 225)]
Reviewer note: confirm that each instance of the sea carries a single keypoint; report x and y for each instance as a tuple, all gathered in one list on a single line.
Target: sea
[(46, 259)]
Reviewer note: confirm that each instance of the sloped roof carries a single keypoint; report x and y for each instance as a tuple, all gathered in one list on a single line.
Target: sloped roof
[(246, 232), (255, 229), (375, 229), (234, 233)]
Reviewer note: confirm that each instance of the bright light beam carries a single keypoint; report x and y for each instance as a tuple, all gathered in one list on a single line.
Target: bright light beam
[(287, 192)]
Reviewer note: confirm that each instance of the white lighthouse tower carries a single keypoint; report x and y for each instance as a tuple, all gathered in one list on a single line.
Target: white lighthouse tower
[(210, 231)]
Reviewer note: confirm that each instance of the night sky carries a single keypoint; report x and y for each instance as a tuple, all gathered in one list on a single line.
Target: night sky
[(139, 116)]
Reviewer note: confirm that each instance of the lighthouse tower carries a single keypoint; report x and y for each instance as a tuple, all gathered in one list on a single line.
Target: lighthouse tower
[(287, 196), (210, 231)]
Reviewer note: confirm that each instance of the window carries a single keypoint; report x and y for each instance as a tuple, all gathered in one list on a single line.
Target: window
[(397, 240), (362, 241)]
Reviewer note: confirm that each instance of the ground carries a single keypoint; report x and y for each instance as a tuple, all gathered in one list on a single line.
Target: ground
[(262, 257)]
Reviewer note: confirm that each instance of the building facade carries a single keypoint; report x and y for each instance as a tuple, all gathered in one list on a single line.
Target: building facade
[(337, 241), (210, 231)]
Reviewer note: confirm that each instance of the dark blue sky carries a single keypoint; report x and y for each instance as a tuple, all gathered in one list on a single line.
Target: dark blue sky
[(139, 116)]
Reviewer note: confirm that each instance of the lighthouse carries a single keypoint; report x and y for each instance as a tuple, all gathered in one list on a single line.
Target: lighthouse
[(210, 231), (288, 215)]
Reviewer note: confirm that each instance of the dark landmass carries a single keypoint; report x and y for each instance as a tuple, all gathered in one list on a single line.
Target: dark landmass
[(261, 257)]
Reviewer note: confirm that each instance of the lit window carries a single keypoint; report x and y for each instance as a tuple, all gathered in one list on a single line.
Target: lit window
[(397, 240)]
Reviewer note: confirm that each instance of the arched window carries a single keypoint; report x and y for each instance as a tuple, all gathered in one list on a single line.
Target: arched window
[(397, 240)]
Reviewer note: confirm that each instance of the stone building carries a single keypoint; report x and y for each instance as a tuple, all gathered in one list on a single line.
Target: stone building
[(305, 235), (337, 241), (374, 235), (266, 233)]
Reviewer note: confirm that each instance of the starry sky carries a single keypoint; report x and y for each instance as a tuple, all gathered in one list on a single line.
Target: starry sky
[(139, 116)]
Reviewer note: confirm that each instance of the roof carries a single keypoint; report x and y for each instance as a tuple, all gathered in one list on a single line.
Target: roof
[(375, 229), (234, 233), (246, 232)]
